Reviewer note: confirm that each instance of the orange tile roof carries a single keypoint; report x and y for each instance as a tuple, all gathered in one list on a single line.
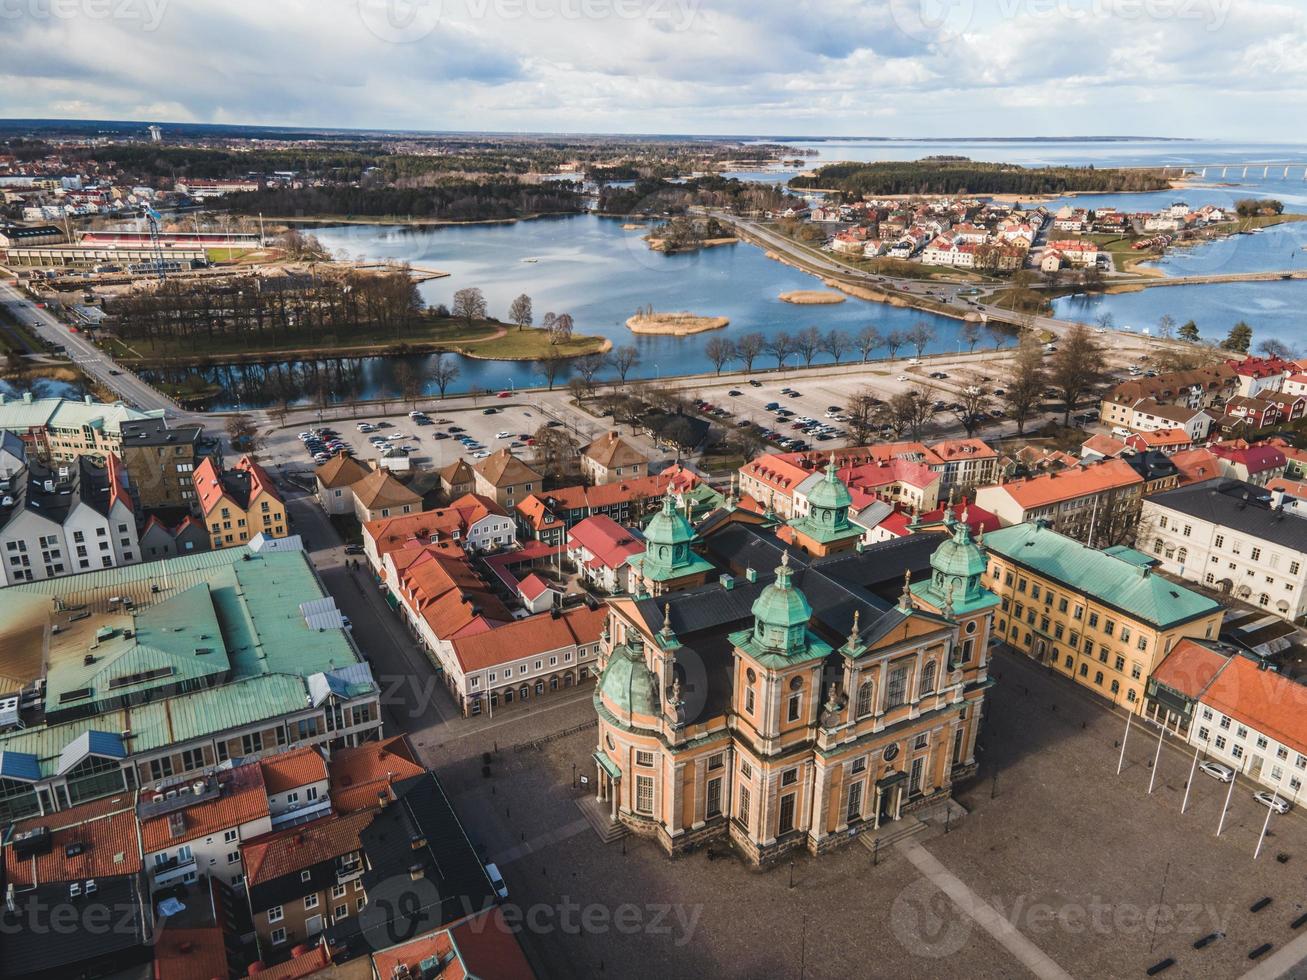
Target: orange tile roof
[(470, 948), (1051, 488), (242, 798), (1262, 699), (1196, 465), (535, 634), (1189, 668), (359, 774), (1294, 488), (449, 595), (538, 513), (964, 449), (190, 954), (296, 848), (1104, 445), (306, 964), (290, 770), (107, 832)]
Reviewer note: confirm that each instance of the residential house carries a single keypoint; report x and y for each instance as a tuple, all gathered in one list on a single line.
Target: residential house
[(601, 549), (159, 541), (506, 479), (457, 479), (610, 459), (238, 503), (335, 480), (1257, 464), (1148, 415), (1071, 499), (1105, 619), (1199, 388), (380, 495)]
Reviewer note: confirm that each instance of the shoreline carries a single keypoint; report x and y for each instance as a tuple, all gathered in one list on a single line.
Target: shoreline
[(812, 297)]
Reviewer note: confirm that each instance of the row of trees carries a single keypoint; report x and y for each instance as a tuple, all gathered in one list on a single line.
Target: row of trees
[(839, 344), (469, 305)]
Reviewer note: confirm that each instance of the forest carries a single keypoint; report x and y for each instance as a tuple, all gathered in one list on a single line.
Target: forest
[(451, 201), (654, 196), (961, 176)]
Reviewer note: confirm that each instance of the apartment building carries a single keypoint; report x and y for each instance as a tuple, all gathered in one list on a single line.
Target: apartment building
[(1235, 537), (238, 503), (161, 459), (1105, 619), (611, 458), (1070, 498)]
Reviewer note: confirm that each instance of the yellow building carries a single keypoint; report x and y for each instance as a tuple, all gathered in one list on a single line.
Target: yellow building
[(239, 503), (1104, 618)]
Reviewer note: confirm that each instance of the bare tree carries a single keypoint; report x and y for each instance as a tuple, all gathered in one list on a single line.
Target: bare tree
[(749, 347), (444, 371), (973, 404), (243, 433), (520, 311), (1166, 326), (920, 336), (780, 346), (625, 358), (971, 334), (719, 350), (999, 332), (807, 342), (911, 411), (560, 331), (1105, 320), (868, 340), (410, 382), (588, 366), (551, 366), (469, 305), (1076, 367), (894, 340), (836, 343), (1275, 348), (557, 453), (864, 411), (1026, 381)]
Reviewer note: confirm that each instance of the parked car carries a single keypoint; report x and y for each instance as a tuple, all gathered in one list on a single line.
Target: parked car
[(1273, 800), (353, 549), (753, 383), (1217, 771), (497, 882)]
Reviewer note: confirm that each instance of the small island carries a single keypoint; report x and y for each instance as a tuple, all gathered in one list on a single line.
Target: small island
[(688, 235), (812, 297), (679, 324)]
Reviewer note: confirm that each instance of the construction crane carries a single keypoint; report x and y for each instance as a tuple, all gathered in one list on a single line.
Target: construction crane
[(153, 219)]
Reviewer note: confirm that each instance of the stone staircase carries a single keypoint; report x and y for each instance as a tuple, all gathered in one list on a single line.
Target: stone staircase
[(891, 833), (596, 814)]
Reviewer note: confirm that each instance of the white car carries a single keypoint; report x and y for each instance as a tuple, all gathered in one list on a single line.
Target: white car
[(497, 882), (415, 414), (396, 437), (503, 435), (480, 454), (305, 436), (365, 426), (1272, 800), (904, 377), (1217, 771)]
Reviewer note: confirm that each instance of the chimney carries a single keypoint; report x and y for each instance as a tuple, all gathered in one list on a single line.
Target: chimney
[(751, 574), (416, 872)]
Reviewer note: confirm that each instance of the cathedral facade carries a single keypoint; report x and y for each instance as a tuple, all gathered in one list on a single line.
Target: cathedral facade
[(799, 707)]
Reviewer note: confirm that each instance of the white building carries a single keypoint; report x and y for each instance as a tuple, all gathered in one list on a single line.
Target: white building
[(77, 517), (1232, 536)]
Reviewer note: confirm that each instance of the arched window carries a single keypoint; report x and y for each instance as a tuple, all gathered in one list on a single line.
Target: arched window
[(1116, 687), (1157, 545), (1098, 677), (1263, 600), (1130, 695), (864, 699), (928, 678), (1182, 555)]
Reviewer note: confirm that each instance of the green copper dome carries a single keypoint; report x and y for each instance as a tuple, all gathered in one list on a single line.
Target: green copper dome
[(667, 546), (956, 569), (830, 493), (959, 556), (627, 684), (781, 613)]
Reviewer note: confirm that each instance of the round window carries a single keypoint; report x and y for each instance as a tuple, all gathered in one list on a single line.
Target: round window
[(971, 626), (750, 676), (796, 683), (891, 752)]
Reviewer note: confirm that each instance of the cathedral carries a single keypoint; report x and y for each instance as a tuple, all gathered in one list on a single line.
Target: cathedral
[(799, 694)]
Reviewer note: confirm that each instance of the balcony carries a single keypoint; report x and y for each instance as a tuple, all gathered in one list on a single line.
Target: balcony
[(350, 871), (172, 870)]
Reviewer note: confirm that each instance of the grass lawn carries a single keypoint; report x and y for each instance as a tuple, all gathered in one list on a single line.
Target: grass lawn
[(226, 254), (531, 344)]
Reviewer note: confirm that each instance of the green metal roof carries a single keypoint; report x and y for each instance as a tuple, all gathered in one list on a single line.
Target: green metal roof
[(628, 683), (1117, 582), (1126, 553)]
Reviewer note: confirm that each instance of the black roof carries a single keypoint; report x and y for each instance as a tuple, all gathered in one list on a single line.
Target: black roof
[(1239, 506), (72, 482), (157, 432), (109, 932), (1152, 465), (422, 870)]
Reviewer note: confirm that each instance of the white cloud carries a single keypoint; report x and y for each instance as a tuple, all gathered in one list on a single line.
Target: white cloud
[(1055, 67)]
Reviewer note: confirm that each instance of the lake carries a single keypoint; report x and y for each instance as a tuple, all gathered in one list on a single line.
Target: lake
[(584, 265)]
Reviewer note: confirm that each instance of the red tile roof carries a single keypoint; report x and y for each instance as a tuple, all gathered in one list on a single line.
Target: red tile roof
[(473, 948), (535, 634), (106, 831), (290, 770), (605, 539), (359, 774), (242, 798), (296, 848), (306, 964), (1050, 488), (190, 954)]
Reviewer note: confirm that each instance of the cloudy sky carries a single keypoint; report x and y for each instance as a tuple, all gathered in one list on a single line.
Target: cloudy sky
[(1202, 68)]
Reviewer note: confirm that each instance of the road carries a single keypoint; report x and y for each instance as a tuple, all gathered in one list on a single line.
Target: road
[(90, 358)]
